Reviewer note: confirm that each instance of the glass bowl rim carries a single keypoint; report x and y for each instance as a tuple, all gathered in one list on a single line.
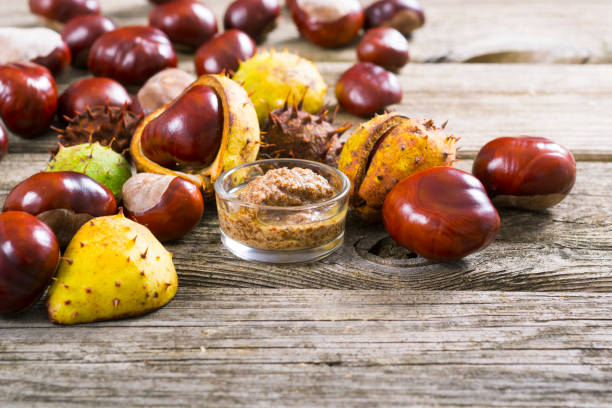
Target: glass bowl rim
[(220, 191)]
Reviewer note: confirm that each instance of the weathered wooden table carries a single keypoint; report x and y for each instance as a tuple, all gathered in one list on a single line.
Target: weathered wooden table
[(526, 322)]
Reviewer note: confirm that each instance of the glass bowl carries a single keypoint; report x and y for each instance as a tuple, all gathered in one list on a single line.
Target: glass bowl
[(279, 234)]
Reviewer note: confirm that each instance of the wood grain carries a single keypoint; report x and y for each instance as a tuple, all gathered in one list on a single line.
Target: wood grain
[(546, 31), (260, 348), (567, 248)]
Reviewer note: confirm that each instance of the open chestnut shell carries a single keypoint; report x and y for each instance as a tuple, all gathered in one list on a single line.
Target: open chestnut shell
[(441, 213), (326, 23), (28, 98), (29, 254), (131, 54), (239, 142), (64, 200), (91, 92), (186, 22), (81, 32), (532, 173), (63, 10)]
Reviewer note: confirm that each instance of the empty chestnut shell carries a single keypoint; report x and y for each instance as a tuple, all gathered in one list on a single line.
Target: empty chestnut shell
[(92, 92), (403, 15), (132, 54), (162, 88), (255, 17), (3, 142), (167, 205), (185, 22), (81, 32), (533, 173), (64, 200), (63, 10), (224, 53), (29, 254), (441, 213), (328, 24), (40, 45), (28, 98), (384, 46), (366, 88)]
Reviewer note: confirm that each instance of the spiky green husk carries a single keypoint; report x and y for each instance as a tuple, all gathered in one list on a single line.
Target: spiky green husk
[(99, 162)]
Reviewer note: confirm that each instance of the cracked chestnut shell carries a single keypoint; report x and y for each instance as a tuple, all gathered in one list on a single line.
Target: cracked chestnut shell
[(64, 200), (28, 98), (384, 46), (366, 88), (532, 173), (403, 15), (326, 23), (441, 213), (29, 254), (186, 22), (81, 32), (387, 149), (92, 92), (254, 17), (224, 53), (132, 54), (63, 10), (239, 141), (167, 205)]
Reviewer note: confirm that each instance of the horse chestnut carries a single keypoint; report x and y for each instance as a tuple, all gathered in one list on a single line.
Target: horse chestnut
[(64, 200), (365, 89), (441, 213), (132, 54), (255, 17), (533, 173), (186, 22), (167, 205), (328, 24), (384, 46), (28, 98), (81, 32), (162, 88), (64, 10), (3, 142), (39, 45), (29, 254), (95, 91), (224, 53), (403, 15)]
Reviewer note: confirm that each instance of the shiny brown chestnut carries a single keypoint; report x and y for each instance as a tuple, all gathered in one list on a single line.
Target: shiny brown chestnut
[(81, 32), (384, 46), (131, 54), (188, 132), (224, 52), (28, 98), (527, 172), (40, 45), (64, 10), (168, 205), (92, 92), (441, 213), (366, 88), (255, 17), (161, 89), (403, 15), (185, 22), (29, 254), (3, 142), (160, 1), (328, 24), (64, 200)]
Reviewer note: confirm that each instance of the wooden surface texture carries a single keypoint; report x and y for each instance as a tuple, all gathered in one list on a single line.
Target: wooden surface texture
[(524, 323)]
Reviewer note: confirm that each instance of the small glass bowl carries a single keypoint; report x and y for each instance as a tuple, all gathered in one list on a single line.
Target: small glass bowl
[(280, 234)]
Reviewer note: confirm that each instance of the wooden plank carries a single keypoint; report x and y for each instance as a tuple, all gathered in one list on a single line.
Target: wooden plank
[(256, 348), (567, 103), (549, 31), (566, 248)]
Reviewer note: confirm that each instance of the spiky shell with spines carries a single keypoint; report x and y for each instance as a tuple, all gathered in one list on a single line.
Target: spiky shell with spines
[(110, 126), (293, 132), (113, 268), (272, 77), (99, 162)]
